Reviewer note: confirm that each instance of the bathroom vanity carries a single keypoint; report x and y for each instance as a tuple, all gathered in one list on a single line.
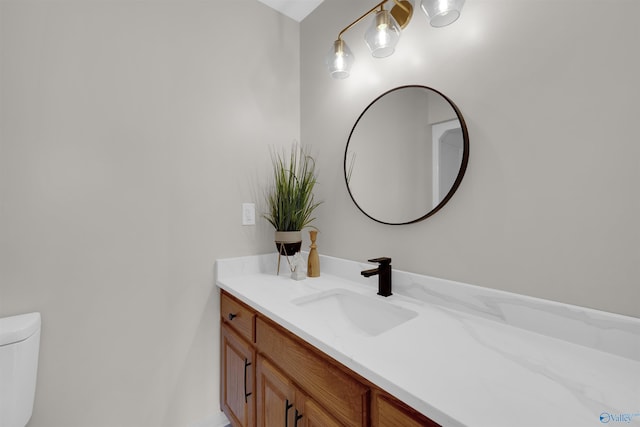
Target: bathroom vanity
[(273, 378), (328, 351)]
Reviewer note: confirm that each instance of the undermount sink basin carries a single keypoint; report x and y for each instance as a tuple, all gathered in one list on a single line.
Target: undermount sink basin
[(352, 312)]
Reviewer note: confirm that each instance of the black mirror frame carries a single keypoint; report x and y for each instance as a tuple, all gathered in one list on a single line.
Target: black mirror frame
[(461, 172)]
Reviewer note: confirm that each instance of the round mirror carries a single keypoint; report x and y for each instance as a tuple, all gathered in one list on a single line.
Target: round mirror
[(406, 155)]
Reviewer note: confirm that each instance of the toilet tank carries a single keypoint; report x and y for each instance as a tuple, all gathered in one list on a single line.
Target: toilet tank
[(19, 347)]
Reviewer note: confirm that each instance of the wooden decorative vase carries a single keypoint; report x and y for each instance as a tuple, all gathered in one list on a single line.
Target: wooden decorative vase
[(313, 263)]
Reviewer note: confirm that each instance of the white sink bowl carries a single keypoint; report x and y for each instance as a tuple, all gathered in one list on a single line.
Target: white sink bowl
[(350, 312)]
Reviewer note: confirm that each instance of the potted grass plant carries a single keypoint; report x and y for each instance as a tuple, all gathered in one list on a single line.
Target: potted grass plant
[(289, 198)]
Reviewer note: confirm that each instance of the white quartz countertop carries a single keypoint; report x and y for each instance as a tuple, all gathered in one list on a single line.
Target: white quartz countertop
[(472, 356)]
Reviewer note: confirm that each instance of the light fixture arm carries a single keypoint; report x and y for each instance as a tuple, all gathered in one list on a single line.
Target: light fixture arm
[(373, 9)]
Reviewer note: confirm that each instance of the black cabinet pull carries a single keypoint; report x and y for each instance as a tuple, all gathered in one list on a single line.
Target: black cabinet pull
[(231, 316), (246, 364), (298, 416), (287, 406)]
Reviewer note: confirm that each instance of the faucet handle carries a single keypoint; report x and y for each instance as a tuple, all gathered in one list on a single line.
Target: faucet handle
[(381, 260)]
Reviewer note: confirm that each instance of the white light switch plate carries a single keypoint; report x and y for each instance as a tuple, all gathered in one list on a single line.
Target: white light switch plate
[(248, 214)]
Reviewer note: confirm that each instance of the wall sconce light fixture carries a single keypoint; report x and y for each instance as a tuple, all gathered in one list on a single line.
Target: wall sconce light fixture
[(383, 34)]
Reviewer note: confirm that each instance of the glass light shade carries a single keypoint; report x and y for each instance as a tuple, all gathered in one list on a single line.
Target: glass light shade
[(383, 35), (339, 60), (442, 12)]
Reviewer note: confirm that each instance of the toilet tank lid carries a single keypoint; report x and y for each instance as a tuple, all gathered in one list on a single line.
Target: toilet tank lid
[(18, 328)]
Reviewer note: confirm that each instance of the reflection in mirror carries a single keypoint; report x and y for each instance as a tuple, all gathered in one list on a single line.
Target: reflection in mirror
[(406, 155)]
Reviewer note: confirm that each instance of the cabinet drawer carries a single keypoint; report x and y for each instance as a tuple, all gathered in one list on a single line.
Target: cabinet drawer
[(386, 411), (238, 316), (343, 395)]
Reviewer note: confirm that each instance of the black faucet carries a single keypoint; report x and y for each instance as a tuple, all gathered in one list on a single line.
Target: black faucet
[(384, 275)]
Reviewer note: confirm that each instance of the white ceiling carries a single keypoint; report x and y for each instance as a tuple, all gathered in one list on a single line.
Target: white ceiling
[(295, 9)]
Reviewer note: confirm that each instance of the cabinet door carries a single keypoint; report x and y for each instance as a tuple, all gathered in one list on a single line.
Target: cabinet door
[(238, 379), (275, 396), (312, 414)]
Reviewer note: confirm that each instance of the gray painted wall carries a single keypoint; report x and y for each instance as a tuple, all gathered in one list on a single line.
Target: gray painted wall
[(549, 206), (131, 132)]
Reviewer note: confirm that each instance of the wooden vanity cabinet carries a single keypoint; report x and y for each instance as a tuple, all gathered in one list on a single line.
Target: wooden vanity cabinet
[(272, 378)]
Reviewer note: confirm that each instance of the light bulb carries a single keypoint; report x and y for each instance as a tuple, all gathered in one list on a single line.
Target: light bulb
[(339, 60), (442, 12), (383, 35)]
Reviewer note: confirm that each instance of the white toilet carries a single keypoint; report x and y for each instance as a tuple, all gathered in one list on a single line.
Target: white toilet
[(19, 348)]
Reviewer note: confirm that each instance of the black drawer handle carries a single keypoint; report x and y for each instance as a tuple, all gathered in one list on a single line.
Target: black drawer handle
[(298, 417), (246, 395), (232, 316), (287, 406)]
